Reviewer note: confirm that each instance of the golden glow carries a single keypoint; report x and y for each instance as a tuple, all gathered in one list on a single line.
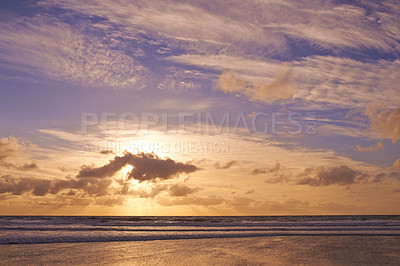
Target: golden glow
[(125, 171), (152, 142), (135, 184)]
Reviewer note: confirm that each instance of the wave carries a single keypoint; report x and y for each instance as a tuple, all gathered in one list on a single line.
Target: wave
[(79, 239), (50, 229)]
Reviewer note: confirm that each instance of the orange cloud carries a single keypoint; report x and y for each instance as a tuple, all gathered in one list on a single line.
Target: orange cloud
[(280, 88), (396, 164), (376, 147), (384, 120), (11, 150)]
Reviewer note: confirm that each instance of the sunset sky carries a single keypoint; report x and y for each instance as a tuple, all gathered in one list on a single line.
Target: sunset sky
[(159, 107)]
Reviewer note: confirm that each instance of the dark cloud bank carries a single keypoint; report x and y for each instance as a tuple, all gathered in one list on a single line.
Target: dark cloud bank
[(95, 181), (147, 167), (342, 175)]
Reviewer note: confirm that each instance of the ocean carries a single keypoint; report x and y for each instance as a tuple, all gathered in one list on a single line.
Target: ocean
[(73, 229), (174, 240)]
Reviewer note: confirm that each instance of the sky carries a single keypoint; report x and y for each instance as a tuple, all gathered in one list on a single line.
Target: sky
[(200, 107)]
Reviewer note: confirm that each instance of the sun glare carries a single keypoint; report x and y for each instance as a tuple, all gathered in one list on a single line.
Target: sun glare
[(124, 176), (125, 171), (153, 142)]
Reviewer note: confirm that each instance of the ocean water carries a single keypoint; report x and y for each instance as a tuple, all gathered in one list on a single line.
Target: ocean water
[(76, 229)]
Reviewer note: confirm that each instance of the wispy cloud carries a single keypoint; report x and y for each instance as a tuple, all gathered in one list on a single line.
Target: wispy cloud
[(262, 27), (218, 36), (47, 47), (322, 81), (334, 81)]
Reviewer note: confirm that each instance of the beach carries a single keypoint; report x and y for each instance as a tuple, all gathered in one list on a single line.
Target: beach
[(274, 250)]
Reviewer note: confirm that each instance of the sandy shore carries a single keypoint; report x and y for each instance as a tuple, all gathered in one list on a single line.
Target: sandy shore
[(288, 250)]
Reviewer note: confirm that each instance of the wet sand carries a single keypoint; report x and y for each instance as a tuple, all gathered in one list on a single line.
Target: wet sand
[(287, 250)]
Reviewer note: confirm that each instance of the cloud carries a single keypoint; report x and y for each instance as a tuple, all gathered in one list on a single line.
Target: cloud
[(11, 149), (280, 88), (18, 186), (41, 187), (23, 167), (396, 164), (90, 185), (251, 191), (257, 26), (391, 173), (338, 175), (188, 24), (106, 152), (228, 82), (225, 166), (8, 147), (376, 147), (220, 36), (327, 79), (146, 167), (274, 169), (395, 175), (322, 80), (379, 178), (47, 47), (278, 179), (384, 120), (152, 190), (180, 190)]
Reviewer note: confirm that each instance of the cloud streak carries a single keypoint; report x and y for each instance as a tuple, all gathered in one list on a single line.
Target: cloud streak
[(46, 47), (322, 81), (265, 26)]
